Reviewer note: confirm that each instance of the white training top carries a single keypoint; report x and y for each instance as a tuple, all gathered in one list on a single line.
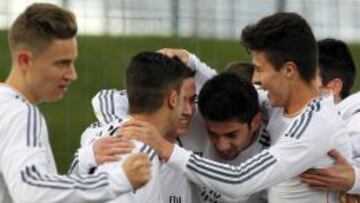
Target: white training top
[(112, 104), (350, 111), (206, 195), (150, 193), (349, 106), (27, 167)]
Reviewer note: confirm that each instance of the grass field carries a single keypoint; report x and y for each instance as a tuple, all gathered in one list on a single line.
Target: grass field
[(101, 65)]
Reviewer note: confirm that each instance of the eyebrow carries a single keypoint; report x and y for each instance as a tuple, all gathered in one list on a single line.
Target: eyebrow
[(62, 61), (231, 132), (227, 133)]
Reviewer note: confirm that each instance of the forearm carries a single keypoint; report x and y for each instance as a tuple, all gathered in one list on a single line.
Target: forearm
[(34, 181), (203, 71), (235, 182), (86, 160), (110, 104), (355, 189), (287, 159)]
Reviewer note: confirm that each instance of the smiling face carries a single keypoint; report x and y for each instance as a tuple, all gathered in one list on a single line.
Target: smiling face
[(230, 138), (189, 105), (272, 80), (48, 75), (177, 105)]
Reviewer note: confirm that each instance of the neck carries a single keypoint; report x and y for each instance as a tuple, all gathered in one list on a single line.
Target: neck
[(300, 98), (157, 119), (254, 138), (337, 99), (17, 81), (171, 137)]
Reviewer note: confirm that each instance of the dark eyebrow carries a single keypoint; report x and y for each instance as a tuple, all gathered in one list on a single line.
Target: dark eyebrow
[(63, 61), (231, 132)]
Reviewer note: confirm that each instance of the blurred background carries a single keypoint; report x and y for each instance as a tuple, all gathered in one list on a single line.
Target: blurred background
[(111, 31)]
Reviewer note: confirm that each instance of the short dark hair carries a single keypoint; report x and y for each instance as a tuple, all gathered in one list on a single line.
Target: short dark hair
[(38, 25), (242, 69), (336, 61), (226, 97), (284, 37), (149, 76)]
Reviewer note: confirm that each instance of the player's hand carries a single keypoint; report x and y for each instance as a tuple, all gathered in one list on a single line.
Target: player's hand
[(107, 148), (339, 177), (349, 198), (182, 54), (148, 134), (137, 168)]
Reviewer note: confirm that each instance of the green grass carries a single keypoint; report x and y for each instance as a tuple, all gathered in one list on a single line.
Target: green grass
[(101, 65)]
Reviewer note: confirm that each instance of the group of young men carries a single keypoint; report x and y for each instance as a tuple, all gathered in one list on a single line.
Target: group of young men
[(180, 132)]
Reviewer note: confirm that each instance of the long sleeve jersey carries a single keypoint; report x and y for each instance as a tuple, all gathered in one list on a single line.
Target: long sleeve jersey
[(27, 167), (150, 193), (350, 112)]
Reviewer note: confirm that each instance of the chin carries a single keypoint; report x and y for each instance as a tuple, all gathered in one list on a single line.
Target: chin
[(181, 131), (55, 98), (227, 157), (274, 103)]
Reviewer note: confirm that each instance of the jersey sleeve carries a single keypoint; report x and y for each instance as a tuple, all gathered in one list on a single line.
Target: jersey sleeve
[(84, 161), (356, 187), (203, 71), (353, 128), (264, 103), (109, 105), (148, 193), (297, 150), (84, 158), (354, 132), (29, 171)]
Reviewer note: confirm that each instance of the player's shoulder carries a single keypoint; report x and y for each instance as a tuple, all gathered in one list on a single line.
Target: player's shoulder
[(350, 106), (105, 93), (12, 103), (326, 109), (319, 118), (264, 140), (350, 101), (97, 129), (322, 113)]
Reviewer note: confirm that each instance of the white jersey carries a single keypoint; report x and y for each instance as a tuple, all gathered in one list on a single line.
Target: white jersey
[(350, 111), (349, 106), (203, 71), (150, 193), (27, 167), (302, 145), (113, 104), (195, 139), (206, 195)]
